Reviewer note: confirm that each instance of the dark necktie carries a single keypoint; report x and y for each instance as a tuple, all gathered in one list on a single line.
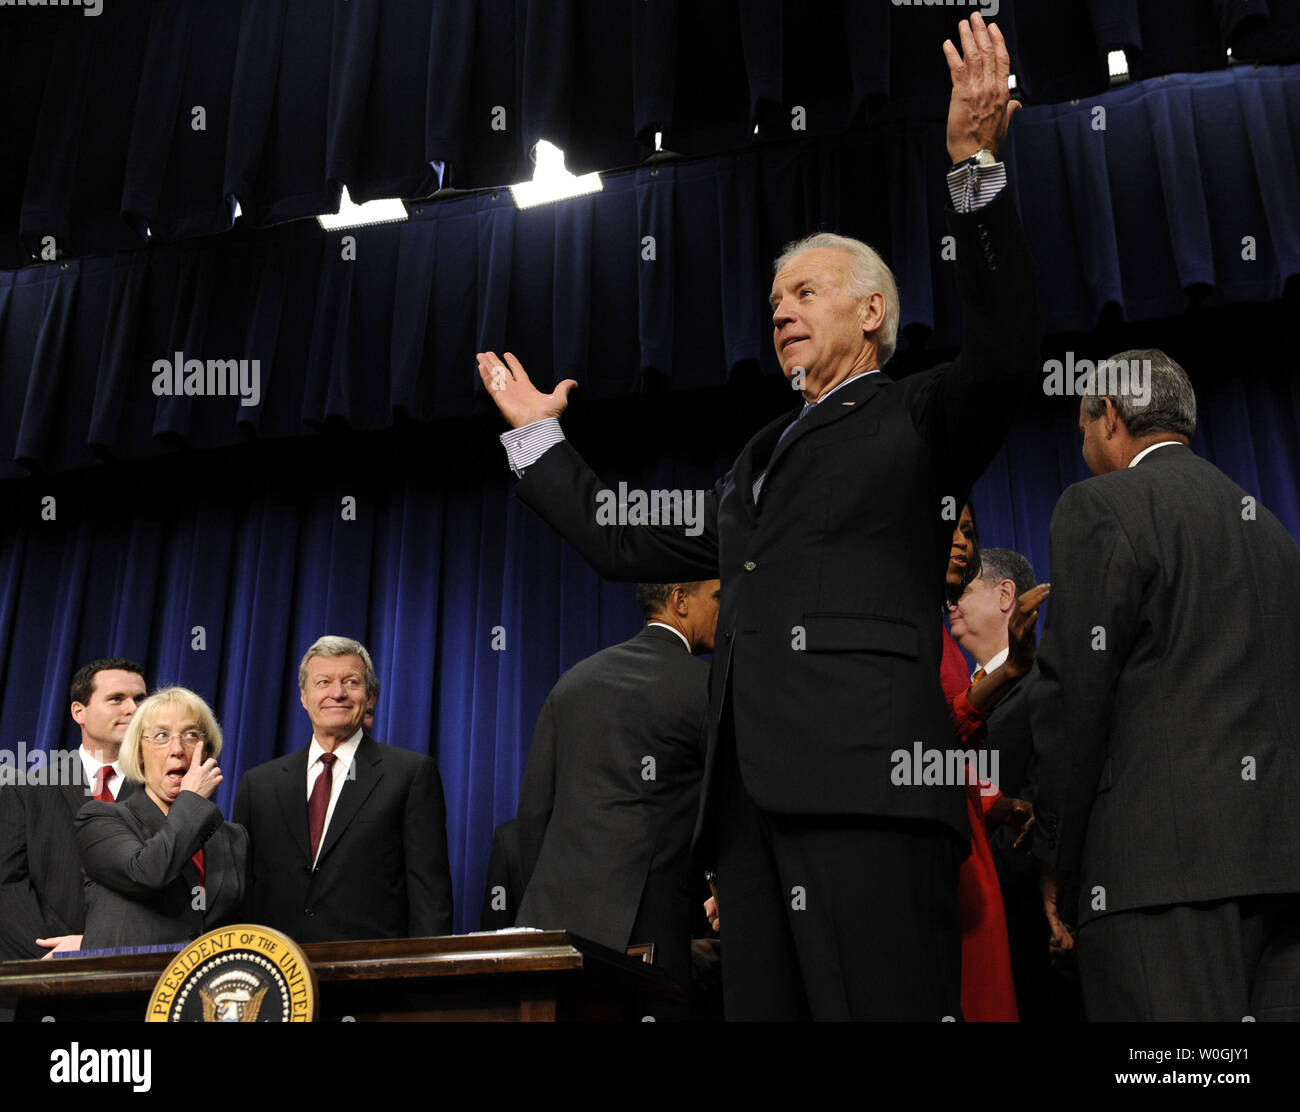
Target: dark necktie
[(102, 777), (198, 864), (808, 408), (319, 802)]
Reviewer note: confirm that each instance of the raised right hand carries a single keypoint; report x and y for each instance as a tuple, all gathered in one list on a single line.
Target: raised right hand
[(1020, 629), (520, 402), (201, 778)]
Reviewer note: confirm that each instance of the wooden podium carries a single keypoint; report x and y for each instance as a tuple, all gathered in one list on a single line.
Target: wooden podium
[(528, 976)]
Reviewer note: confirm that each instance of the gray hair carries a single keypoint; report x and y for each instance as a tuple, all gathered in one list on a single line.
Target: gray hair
[(868, 274), (997, 564), (338, 646), (1172, 404)]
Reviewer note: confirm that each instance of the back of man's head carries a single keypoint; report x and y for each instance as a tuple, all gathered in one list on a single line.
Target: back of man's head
[(652, 598), (1150, 392)]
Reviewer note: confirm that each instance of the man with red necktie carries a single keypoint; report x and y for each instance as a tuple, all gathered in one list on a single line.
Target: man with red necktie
[(348, 836), (41, 896)]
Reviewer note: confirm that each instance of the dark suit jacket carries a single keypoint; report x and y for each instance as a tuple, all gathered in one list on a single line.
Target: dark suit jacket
[(140, 879), (1007, 732), (605, 835), (1166, 764), (41, 888), (504, 887), (828, 646), (382, 871)]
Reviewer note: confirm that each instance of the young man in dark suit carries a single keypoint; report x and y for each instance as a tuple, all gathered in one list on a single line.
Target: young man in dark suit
[(612, 787), (1166, 745), (41, 895), (347, 837), (837, 886)]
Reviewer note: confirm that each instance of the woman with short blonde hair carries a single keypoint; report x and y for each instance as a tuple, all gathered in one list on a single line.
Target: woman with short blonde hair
[(162, 866), (147, 712)]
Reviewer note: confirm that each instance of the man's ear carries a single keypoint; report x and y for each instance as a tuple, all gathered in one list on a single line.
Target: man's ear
[(871, 313), (79, 713), (1007, 595), (1114, 422)]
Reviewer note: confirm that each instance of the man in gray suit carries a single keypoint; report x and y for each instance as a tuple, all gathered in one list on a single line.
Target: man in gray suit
[(612, 785), (1166, 748)]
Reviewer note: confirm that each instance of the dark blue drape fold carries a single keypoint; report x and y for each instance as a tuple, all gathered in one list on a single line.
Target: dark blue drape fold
[(300, 97), (1151, 199)]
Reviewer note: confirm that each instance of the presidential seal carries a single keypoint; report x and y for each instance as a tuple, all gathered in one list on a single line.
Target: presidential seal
[(239, 974)]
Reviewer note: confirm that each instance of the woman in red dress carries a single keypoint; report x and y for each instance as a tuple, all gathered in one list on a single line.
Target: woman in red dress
[(987, 989)]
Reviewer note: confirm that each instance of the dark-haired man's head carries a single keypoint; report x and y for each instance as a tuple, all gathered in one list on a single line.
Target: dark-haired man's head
[(689, 608), (104, 696), (979, 619)]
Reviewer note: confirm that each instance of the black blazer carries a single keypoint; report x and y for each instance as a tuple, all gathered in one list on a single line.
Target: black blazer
[(503, 887), (604, 834), (1166, 763), (828, 647), (1008, 734), (141, 884), (382, 871), (41, 887)]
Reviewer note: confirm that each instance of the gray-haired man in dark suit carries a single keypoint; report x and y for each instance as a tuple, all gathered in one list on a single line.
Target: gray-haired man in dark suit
[(1166, 745)]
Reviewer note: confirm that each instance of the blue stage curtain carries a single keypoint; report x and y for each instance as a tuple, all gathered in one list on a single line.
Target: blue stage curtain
[(1183, 192), (470, 605), (258, 563)]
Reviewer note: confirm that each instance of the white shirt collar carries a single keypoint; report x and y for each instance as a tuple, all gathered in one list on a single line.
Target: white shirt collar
[(344, 753), (665, 625), (874, 370), (91, 766), (992, 662), (1149, 449)]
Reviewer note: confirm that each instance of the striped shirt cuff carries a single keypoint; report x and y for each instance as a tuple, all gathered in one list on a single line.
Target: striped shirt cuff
[(524, 446), (973, 187)]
